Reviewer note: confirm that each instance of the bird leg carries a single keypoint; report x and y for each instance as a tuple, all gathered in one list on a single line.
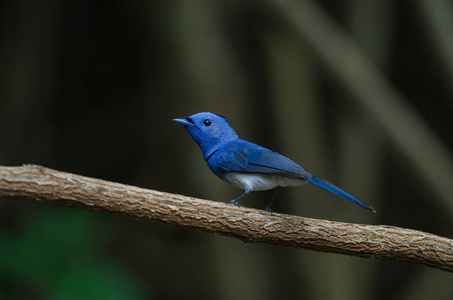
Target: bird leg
[(268, 206), (235, 200)]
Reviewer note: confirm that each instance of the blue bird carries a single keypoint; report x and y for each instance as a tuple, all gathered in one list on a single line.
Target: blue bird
[(246, 165)]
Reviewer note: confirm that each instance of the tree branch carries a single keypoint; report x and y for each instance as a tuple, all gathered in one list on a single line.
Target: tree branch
[(40, 184)]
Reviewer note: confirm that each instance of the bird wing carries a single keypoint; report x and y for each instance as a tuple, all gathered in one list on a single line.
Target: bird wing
[(243, 156)]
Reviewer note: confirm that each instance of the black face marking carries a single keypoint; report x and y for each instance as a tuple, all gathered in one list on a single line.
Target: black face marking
[(207, 122), (190, 120)]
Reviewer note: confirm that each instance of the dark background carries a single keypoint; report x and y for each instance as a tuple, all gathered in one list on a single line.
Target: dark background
[(91, 87)]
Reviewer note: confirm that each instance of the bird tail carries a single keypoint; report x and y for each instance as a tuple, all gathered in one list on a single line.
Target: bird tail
[(337, 191)]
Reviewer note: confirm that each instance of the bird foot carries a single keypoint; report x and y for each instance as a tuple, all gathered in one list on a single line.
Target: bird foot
[(235, 202)]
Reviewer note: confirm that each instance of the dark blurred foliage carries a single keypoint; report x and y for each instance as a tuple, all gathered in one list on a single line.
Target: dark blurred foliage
[(91, 87)]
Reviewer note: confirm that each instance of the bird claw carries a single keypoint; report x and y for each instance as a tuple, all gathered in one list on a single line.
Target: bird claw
[(268, 209), (235, 202)]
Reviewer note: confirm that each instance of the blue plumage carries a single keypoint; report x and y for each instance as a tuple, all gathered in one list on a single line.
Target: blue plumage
[(245, 157), (247, 165), (336, 190)]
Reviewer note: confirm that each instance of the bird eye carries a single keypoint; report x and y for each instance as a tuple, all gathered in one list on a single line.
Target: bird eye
[(207, 122)]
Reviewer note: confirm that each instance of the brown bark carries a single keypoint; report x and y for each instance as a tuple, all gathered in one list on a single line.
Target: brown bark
[(40, 184)]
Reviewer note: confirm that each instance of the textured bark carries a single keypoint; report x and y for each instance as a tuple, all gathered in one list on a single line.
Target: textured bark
[(40, 184)]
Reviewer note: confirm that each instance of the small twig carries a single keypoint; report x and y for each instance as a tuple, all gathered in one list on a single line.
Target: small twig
[(40, 184)]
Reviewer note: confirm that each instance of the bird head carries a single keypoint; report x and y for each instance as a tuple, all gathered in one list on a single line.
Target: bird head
[(209, 131)]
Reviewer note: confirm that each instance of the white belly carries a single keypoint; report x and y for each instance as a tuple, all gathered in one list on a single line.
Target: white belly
[(260, 182)]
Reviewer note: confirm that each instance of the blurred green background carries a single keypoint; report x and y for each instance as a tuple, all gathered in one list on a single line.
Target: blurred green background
[(358, 92)]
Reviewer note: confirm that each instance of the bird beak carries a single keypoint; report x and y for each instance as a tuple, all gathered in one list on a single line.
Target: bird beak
[(184, 122)]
